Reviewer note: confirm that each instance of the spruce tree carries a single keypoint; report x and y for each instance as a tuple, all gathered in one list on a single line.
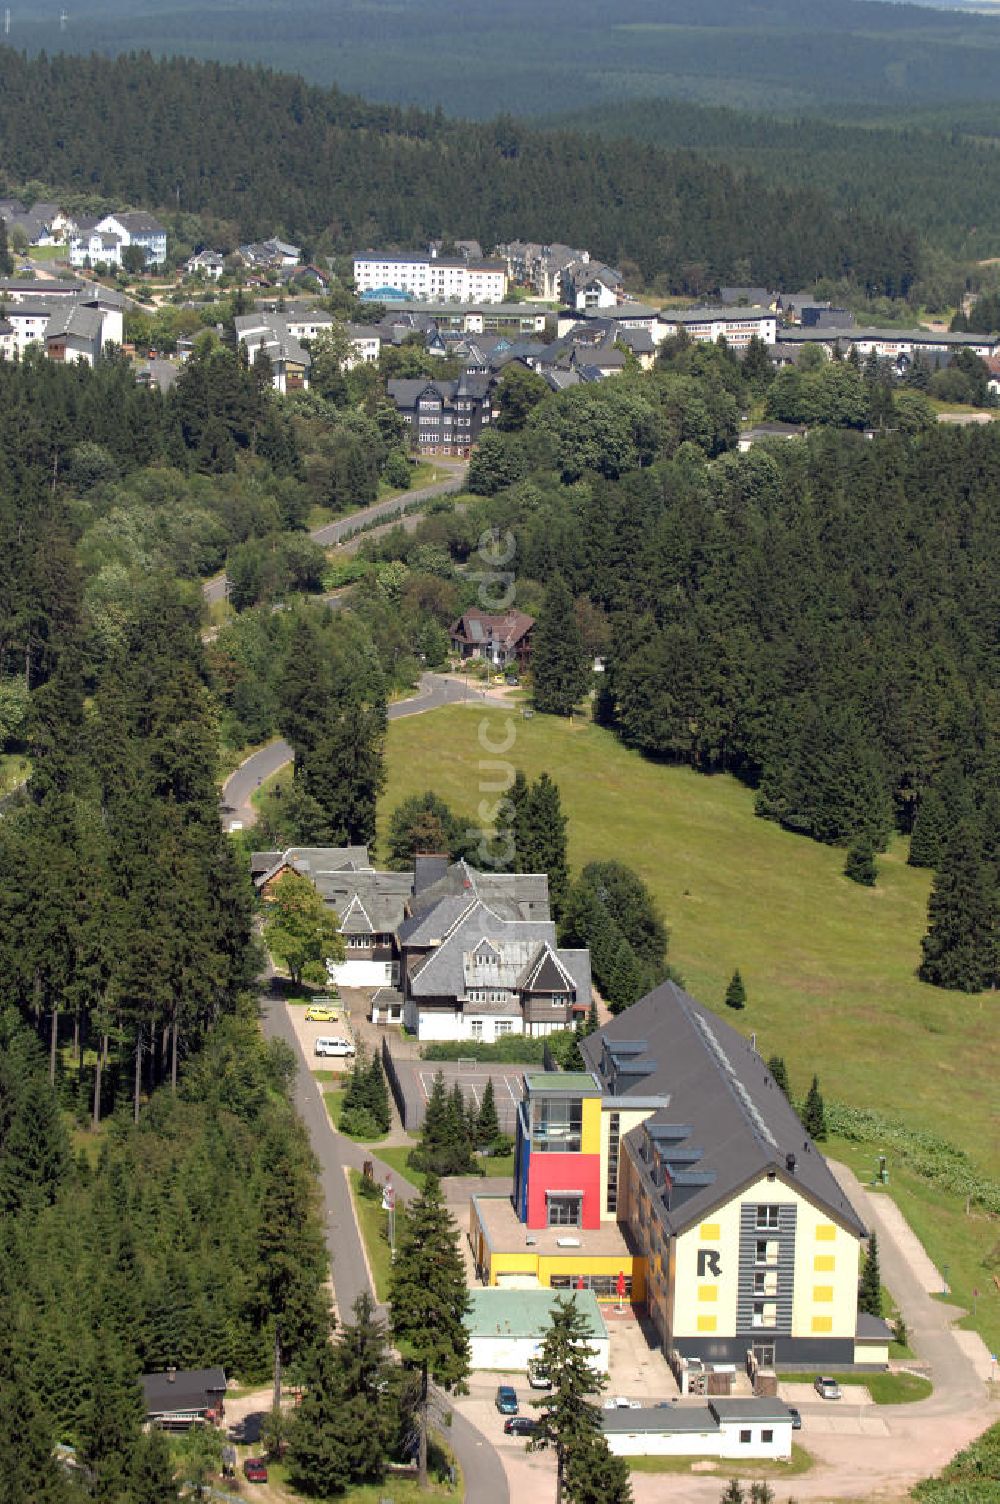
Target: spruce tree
[(624, 980), (930, 831), (860, 866), (542, 848), (813, 1113), (514, 837), (428, 1300), (736, 993), (776, 1065), (870, 1288), (558, 657), (487, 1124), (569, 1420), (961, 944)]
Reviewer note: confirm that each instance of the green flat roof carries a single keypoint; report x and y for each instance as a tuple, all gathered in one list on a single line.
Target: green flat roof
[(526, 1313), (573, 1081)]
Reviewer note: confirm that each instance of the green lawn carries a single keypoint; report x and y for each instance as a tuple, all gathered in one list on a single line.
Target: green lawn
[(884, 1388), (962, 1244), (371, 1220), (14, 770), (396, 1490), (397, 1157), (800, 1462), (829, 965)]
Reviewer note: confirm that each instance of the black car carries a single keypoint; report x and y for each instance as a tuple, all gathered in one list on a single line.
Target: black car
[(796, 1418), (520, 1425)]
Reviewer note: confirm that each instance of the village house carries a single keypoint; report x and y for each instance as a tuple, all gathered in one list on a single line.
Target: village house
[(444, 417), (207, 264), (502, 640), (268, 334)]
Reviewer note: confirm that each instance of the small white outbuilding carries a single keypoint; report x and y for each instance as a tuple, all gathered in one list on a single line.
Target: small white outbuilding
[(507, 1327)]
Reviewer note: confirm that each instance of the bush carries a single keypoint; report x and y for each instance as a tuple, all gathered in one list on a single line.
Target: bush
[(358, 1122)]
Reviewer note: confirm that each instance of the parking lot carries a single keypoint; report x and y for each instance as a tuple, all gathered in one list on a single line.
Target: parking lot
[(414, 1082), (308, 1032)]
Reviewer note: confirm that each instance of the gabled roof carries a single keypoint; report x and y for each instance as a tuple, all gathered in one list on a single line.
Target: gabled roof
[(479, 627), (723, 1101), (512, 895), (183, 1389), (442, 972)]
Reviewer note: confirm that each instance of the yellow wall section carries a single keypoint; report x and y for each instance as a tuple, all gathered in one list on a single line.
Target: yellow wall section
[(824, 1263), (544, 1266), (823, 1294), (708, 1293), (812, 1228), (822, 1324), (706, 1323), (590, 1138)]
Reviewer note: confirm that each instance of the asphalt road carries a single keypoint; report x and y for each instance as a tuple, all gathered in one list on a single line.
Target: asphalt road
[(434, 690), (485, 1479), (335, 532)]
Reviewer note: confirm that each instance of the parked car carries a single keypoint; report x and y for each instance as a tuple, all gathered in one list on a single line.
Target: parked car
[(512, 679), (506, 1399), (827, 1389), (322, 1013), (520, 1425), (255, 1470), (538, 1376), (619, 1402), (796, 1418), (333, 1044)]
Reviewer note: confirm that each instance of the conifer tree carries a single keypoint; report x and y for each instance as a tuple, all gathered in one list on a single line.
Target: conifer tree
[(813, 1113), (428, 1300), (488, 1124), (860, 866), (569, 1420), (776, 1065), (930, 831), (736, 993), (870, 1289), (541, 846), (558, 658), (960, 948)]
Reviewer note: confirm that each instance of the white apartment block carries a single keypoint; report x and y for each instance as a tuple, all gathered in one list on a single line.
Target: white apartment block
[(431, 278), (736, 325)]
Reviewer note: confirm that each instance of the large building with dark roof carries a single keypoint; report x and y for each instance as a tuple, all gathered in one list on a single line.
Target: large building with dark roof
[(676, 1139)]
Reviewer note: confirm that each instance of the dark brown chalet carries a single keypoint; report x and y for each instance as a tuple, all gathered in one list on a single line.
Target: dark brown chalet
[(501, 640)]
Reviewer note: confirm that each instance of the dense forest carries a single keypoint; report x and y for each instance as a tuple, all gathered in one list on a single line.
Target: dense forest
[(945, 182), (476, 59), (270, 153)]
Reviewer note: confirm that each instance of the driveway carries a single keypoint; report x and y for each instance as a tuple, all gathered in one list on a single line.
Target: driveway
[(335, 532), (434, 690), (486, 1482)]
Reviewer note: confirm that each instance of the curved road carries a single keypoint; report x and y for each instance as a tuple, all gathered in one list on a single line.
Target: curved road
[(335, 532), (335, 1154), (435, 690)]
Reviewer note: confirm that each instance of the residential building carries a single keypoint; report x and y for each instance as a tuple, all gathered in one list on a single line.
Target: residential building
[(900, 346), (135, 227), (42, 224), (269, 255), (179, 1398), (585, 283), (503, 640), (748, 297), (379, 274), (676, 1153), (514, 319), (540, 267), (268, 333), (444, 417), (95, 248), (207, 264), (74, 324), (737, 326)]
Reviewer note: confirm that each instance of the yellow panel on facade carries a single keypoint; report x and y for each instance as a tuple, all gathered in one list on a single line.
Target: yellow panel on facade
[(823, 1295), (825, 1232), (590, 1138), (824, 1263), (708, 1292), (822, 1323), (706, 1323), (709, 1232)]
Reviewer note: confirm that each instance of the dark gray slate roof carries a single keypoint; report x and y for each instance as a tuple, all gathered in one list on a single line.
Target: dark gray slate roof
[(663, 1420), (872, 1329), (511, 895), (721, 1093), (757, 1409), (189, 1389)]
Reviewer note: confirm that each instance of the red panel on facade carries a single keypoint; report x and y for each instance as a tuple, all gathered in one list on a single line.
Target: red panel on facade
[(564, 1172)]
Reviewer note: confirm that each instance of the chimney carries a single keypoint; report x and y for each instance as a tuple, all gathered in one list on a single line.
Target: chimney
[(790, 1163)]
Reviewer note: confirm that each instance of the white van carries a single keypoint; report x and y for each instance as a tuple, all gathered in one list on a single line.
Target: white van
[(333, 1044)]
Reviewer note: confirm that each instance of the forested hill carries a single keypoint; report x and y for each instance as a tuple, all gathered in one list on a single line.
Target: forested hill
[(945, 182), (477, 58), (271, 153)]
